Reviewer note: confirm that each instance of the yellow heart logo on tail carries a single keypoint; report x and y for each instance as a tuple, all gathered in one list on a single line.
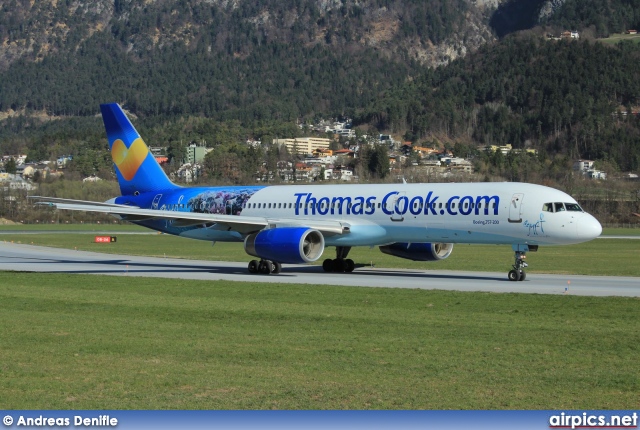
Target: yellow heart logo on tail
[(129, 159)]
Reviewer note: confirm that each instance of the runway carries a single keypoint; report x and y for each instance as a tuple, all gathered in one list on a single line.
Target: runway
[(29, 258)]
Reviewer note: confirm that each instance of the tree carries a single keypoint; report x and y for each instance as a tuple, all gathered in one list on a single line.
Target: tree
[(10, 166)]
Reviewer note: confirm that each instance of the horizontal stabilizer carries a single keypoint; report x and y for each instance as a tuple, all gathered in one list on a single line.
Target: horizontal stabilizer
[(56, 200)]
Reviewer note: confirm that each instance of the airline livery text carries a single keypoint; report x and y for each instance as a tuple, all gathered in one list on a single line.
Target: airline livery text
[(396, 203)]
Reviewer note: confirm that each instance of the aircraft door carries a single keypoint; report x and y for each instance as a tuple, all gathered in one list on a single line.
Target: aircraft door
[(156, 201), (399, 206), (515, 208), (228, 208)]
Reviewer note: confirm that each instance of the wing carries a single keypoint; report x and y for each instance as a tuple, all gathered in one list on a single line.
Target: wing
[(242, 224)]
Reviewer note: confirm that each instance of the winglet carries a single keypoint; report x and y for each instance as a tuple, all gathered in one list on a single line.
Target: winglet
[(136, 168)]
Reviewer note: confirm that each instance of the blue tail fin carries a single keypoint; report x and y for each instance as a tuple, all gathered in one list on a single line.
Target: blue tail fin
[(136, 168)]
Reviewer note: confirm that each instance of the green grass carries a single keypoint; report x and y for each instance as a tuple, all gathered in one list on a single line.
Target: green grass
[(615, 38), (75, 227), (612, 257), (100, 342), (621, 231)]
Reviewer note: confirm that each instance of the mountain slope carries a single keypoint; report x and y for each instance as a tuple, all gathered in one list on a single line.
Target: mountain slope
[(554, 96), (240, 59), (600, 17)]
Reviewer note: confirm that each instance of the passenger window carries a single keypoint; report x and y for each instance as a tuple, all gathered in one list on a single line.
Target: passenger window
[(547, 207), (559, 207)]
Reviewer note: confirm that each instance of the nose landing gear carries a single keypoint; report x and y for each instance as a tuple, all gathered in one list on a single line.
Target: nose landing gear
[(518, 273)]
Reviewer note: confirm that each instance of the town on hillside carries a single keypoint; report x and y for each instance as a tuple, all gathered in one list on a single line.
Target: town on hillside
[(310, 159)]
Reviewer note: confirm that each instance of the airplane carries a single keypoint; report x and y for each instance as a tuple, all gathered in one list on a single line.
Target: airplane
[(293, 224)]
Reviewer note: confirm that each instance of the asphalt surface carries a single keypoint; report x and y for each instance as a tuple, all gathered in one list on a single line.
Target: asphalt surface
[(29, 258)]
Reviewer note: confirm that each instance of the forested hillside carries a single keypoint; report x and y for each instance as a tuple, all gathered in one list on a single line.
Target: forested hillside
[(555, 96), (246, 60), (599, 18), (606, 16), (220, 72)]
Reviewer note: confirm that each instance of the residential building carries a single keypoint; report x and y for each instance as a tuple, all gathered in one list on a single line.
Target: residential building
[(195, 154), (304, 145), (587, 169), (505, 149), (582, 165), (570, 34)]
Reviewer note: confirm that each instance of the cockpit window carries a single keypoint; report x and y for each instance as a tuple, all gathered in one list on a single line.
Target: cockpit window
[(573, 207), (559, 207)]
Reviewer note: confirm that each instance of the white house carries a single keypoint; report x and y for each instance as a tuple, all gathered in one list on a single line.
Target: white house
[(583, 165)]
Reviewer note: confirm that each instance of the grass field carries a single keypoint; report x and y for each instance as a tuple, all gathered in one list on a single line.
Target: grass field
[(100, 342), (615, 38), (86, 228)]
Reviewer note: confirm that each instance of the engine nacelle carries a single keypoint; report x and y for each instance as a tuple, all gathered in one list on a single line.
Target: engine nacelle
[(294, 245), (419, 251)]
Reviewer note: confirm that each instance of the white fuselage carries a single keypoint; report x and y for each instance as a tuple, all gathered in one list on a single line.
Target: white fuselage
[(491, 213)]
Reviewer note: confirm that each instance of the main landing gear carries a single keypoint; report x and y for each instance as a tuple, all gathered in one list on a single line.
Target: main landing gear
[(518, 273), (265, 267), (341, 264)]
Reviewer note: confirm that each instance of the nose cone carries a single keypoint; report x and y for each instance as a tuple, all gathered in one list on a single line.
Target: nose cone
[(588, 228)]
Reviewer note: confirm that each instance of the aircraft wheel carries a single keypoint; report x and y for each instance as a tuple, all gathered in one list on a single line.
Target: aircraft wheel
[(277, 268), (253, 266), (523, 275), (264, 267), (327, 265), (339, 265), (514, 275), (350, 265)]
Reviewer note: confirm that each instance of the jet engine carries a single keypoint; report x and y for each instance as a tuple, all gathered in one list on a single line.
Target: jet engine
[(293, 245), (419, 251)]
